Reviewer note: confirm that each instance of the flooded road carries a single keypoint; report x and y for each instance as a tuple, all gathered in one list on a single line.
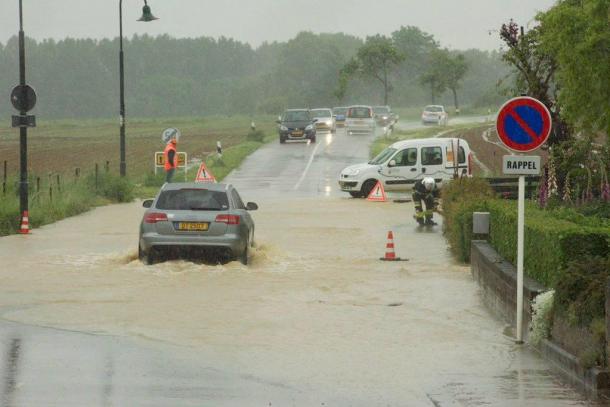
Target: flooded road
[(316, 319)]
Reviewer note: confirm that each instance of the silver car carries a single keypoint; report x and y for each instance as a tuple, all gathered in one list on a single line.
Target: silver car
[(196, 219)]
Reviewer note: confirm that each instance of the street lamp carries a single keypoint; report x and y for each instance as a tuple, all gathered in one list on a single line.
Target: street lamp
[(146, 17)]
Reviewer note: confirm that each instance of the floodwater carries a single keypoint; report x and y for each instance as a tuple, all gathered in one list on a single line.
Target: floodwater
[(316, 319)]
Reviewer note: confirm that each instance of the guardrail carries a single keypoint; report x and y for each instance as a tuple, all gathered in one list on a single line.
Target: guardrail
[(508, 187)]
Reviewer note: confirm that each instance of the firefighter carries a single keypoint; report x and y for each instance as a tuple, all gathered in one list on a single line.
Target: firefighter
[(426, 190), (171, 159)]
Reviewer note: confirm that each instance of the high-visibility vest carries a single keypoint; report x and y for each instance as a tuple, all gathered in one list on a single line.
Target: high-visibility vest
[(168, 148)]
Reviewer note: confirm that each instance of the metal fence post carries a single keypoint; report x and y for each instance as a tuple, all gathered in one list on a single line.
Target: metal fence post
[(96, 174), (37, 184), (607, 320), (4, 180), (58, 184)]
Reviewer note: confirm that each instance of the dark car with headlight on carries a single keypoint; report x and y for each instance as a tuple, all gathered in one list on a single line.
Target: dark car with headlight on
[(297, 124), (384, 116), (200, 220)]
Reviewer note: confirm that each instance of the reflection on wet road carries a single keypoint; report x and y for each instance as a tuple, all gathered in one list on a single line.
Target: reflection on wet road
[(315, 320)]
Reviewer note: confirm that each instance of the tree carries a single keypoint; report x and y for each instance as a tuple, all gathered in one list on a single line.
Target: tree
[(456, 68), (376, 59), (535, 70), (435, 78), (576, 34)]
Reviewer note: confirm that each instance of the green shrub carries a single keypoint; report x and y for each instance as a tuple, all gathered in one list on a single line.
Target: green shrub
[(550, 243), (113, 187), (154, 180), (256, 135), (461, 198), (581, 289)]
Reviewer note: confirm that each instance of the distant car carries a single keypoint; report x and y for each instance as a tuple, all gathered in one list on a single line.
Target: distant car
[(324, 119), (339, 113), (196, 219), (384, 116), (296, 124), (400, 165), (435, 114), (360, 120)]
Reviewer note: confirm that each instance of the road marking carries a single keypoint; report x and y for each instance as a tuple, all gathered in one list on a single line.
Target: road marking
[(298, 184)]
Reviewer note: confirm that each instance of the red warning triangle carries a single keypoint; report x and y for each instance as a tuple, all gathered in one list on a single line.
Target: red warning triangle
[(204, 175), (377, 194)]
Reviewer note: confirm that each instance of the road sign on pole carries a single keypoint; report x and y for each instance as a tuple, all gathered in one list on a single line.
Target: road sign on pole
[(523, 125)]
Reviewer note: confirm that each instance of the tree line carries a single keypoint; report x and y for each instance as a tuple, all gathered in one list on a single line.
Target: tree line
[(165, 76)]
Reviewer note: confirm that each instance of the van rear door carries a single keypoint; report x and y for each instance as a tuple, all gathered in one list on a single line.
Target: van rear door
[(432, 160)]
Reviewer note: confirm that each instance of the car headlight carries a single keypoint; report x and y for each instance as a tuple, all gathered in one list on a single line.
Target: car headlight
[(385, 117), (351, 172), (283, 128), (309, 128)]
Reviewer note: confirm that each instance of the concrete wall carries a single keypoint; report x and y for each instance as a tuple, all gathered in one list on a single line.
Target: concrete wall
[(498, 281)]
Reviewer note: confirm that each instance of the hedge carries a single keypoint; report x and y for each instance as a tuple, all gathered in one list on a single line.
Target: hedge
[(550, 243)]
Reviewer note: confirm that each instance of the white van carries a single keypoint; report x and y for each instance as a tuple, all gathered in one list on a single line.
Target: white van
[(400, 165), (360, 120)]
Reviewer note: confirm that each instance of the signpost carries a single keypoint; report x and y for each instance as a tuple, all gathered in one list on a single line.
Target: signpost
[(523, 125), (182, 161)]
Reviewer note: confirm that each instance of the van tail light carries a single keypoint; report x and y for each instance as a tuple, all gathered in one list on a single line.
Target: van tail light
[(154, 217), (469, 164), (228, 219)]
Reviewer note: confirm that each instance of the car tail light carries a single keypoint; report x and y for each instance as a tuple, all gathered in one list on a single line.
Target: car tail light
[(154, 217), (469, 163), (228, 219)]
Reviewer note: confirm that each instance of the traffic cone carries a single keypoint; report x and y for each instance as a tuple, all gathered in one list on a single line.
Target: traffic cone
[(390, 255), (25, 224)]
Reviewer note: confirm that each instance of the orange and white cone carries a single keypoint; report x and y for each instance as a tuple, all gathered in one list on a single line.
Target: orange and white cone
[(390, 254), (25, 224)]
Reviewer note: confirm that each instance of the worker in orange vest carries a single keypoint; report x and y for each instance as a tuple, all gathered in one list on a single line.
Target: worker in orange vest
[(171, 159)]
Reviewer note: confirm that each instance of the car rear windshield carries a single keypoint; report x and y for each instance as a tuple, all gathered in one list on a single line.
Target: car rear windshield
[(321, 113), (340, 110), (433, 109), (383, 156), (193, 199), (359, 113), (381, 109), (296, 116)]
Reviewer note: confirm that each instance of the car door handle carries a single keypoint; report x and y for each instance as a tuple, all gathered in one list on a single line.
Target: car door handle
[(413, 169)]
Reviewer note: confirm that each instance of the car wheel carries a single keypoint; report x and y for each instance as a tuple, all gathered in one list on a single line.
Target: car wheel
[(244, 256), (356, 194), (282, 140), (313, 139), (148, 257), (367, 187)]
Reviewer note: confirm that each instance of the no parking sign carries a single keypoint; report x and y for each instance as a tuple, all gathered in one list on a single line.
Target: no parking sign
[(523, 124)]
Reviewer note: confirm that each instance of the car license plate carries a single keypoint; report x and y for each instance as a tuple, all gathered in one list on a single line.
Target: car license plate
[(192, 226), (297, 133)]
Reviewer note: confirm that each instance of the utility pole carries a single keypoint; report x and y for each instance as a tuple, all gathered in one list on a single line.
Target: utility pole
[(23, 99)]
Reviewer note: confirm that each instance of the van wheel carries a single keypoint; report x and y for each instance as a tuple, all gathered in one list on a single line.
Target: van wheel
[(367, 187)]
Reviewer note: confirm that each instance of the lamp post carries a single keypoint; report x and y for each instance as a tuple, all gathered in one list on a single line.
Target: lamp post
[(146, 17)]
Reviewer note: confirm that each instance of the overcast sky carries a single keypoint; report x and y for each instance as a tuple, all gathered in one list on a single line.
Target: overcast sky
[(457, 24)]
